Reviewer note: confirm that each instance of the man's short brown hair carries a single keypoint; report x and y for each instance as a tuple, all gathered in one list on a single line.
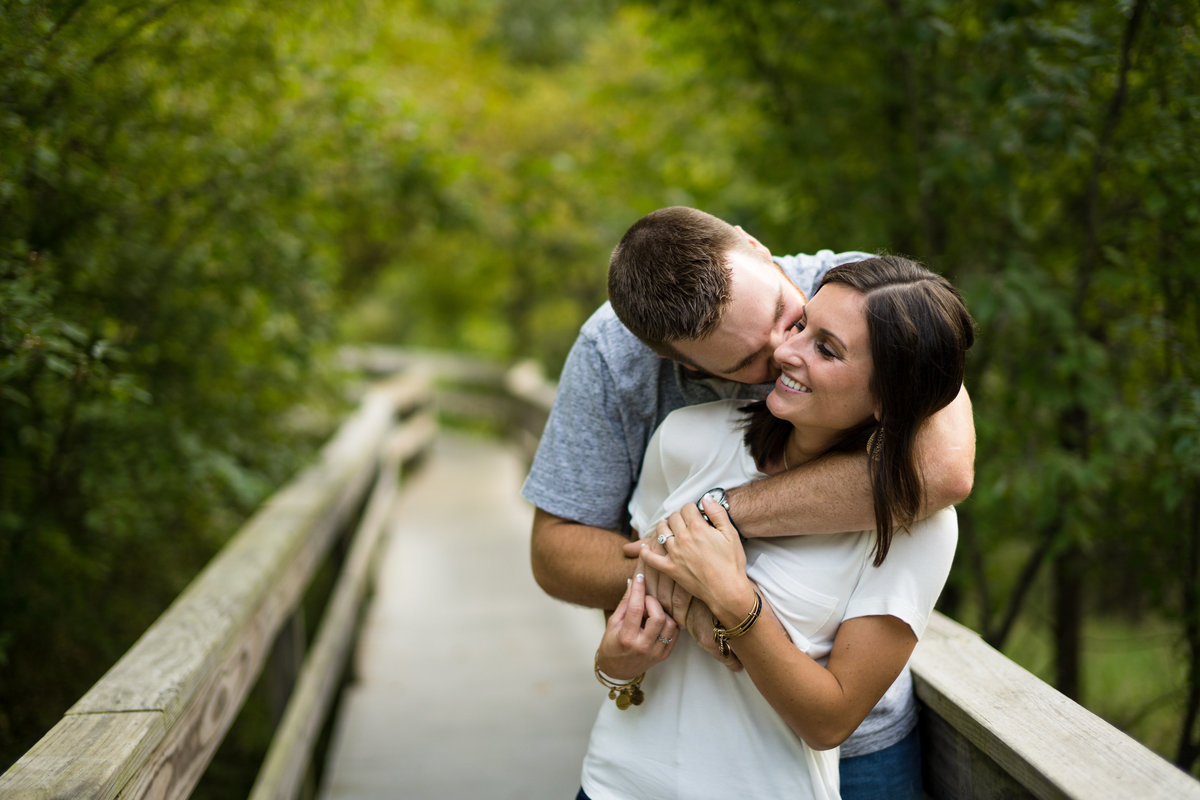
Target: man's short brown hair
[(669, 277)]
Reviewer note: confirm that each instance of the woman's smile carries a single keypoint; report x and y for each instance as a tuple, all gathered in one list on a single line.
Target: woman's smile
[(789, 384)]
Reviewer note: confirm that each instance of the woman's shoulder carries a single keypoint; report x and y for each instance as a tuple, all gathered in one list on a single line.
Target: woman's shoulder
[(693, 438), (687, 418), (926, 549), (937, 532)]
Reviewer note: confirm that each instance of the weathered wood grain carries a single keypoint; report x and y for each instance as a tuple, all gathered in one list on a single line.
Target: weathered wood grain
[(1048, 744), (85, 755), (954, 768), (287, 760)]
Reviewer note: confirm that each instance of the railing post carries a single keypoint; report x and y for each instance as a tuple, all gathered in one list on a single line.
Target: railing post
[(284, 662)]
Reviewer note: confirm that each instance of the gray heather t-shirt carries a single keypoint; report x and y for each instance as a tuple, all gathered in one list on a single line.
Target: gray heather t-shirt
[(614, 391)]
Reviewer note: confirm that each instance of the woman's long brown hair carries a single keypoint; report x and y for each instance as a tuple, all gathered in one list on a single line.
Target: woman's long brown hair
[(919, 330)]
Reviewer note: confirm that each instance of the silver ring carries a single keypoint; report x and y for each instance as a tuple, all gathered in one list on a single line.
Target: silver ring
[(666, 641), (662, 537)]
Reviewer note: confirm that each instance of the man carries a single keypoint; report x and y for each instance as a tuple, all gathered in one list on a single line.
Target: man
[(697, 310)]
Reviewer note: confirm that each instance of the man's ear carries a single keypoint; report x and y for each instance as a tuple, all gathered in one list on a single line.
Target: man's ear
[(686, 365), (669, 353), (755, 243)]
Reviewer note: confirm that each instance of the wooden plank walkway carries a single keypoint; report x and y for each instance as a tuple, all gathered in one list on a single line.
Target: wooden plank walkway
[(469, 681)]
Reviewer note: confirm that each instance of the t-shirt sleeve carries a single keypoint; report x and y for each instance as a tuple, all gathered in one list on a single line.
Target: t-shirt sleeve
[(582, 470), (909, 581)]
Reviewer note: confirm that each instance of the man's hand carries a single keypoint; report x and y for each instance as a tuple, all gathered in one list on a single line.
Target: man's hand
[(700, 627), (670, 595)]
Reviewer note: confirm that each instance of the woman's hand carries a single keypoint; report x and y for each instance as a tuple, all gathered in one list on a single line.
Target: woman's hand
[(707, 561), (639, 634)]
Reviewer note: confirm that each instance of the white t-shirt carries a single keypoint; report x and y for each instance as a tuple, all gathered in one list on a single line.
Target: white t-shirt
[(706, 732)]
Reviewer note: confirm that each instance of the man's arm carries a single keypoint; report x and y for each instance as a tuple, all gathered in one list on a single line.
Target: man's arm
[(579, 563), (833, 494)]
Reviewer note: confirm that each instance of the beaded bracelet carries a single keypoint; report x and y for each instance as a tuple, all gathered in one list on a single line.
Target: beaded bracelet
[(723, 634), (625, 694)]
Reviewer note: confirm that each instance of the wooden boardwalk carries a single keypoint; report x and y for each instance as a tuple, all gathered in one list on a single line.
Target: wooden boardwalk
[(469, 682)]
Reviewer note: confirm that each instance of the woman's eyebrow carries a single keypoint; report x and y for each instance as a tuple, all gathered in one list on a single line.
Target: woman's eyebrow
[(828, 334), (831, 335)]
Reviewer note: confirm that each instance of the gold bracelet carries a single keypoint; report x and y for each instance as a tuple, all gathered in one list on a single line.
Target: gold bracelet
[(626, 694), (723, 634)]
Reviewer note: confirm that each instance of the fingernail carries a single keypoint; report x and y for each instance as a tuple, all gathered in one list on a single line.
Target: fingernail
[(641, 578)]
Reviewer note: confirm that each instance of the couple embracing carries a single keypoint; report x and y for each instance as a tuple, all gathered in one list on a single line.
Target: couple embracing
[(784, 438)]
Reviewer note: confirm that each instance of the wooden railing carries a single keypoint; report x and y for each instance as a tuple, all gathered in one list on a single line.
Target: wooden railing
[(150, 726), (515, 399), (990, 729)]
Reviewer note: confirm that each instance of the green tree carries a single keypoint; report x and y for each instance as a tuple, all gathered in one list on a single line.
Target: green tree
[(169, 267)]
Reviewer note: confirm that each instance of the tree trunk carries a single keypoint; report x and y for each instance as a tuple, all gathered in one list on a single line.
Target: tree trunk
[(1187, 752), (997, 636), (1068, 621)]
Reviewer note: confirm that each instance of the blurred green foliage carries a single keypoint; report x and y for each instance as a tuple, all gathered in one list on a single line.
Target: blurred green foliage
[(198, 202), (163, 288)]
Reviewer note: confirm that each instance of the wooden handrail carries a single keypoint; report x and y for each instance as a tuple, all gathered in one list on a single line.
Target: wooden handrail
[(150, 726), (287, 761), (518, 398), (991, 729)]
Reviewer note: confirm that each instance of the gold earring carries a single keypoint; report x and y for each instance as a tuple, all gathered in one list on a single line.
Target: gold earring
[(875, 444)]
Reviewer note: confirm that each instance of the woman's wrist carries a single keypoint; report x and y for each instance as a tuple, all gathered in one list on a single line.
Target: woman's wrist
[(616, 665), (732, 604), (722, 634), (625, 693), (615, 670)]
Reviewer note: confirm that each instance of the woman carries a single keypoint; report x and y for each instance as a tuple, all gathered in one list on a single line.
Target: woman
[(880, 348)]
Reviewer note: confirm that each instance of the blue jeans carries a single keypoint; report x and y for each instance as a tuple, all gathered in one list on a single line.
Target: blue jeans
[(893, 773)]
